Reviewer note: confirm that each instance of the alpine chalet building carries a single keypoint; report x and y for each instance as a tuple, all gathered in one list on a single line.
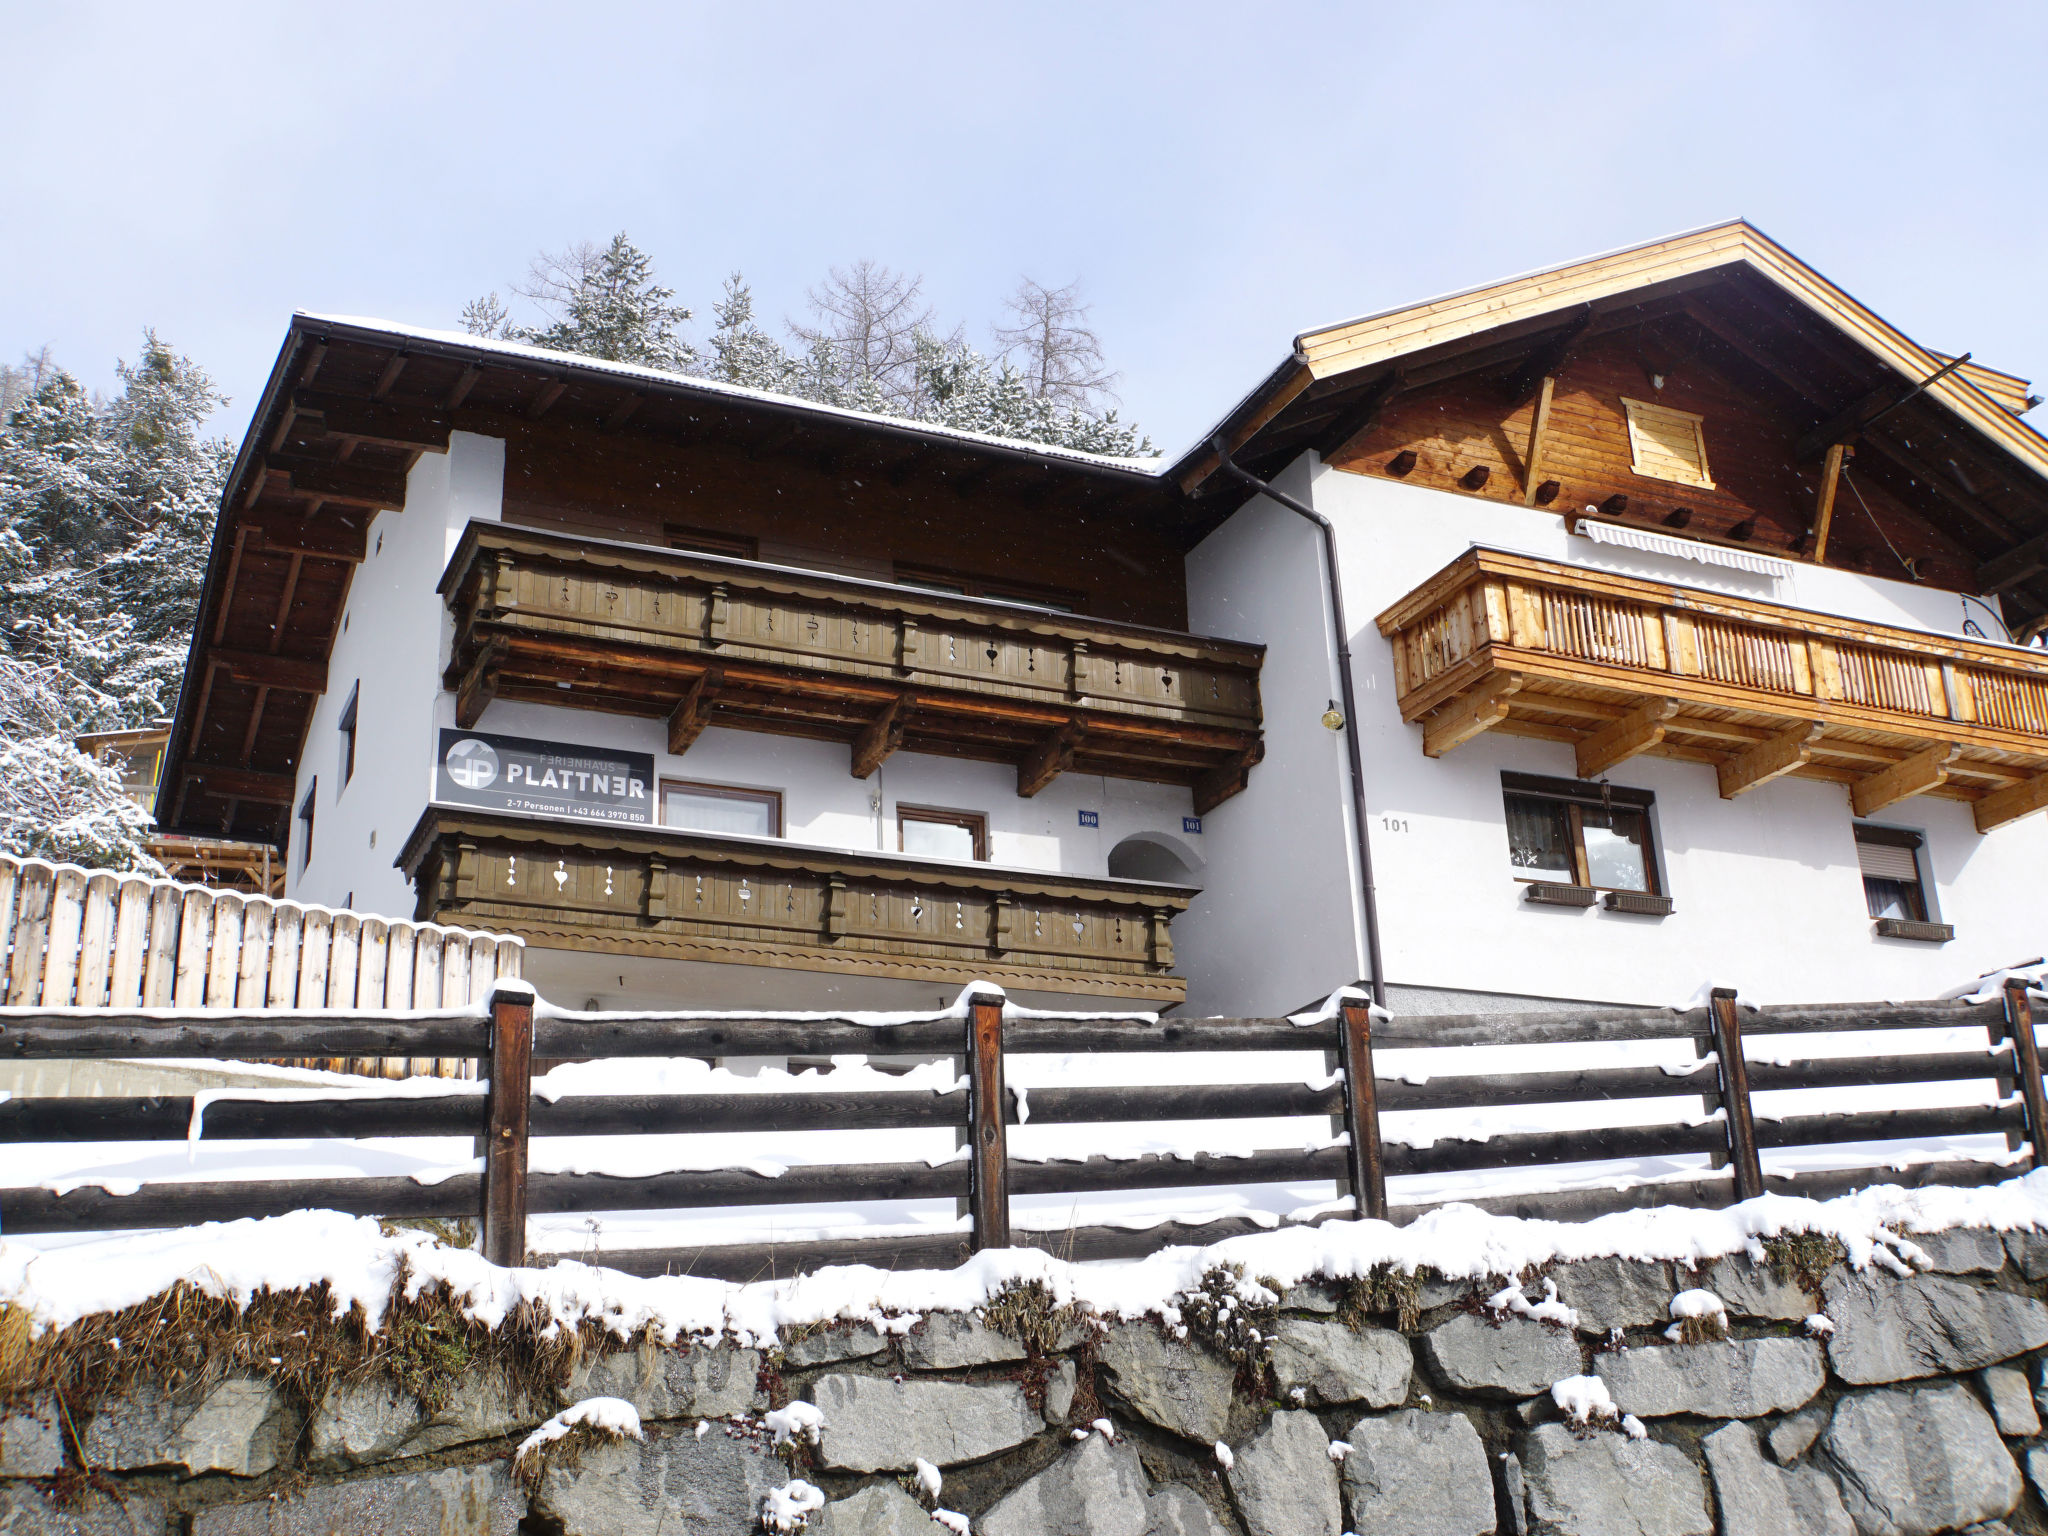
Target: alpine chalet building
[(1661, 618)]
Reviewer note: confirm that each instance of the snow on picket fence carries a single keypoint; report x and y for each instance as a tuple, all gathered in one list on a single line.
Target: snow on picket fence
[(81, 938)]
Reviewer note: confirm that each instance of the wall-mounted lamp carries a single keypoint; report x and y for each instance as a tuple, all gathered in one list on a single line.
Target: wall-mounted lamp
[(1333, 717)]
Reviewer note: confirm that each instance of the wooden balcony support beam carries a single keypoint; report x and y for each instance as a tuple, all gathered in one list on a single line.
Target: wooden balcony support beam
[(1634, 733), (1773, 758), (1915, 775), (1219, 784), (478, 687), (1052, 757), (1462, 719), (882, 736), (690, 717), (2010, 804)]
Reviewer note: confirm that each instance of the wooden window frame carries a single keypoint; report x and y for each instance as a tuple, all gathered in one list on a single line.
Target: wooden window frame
[(994, 588), (347, 727), (709, 541), (1577, 798), (1629, 408), (772, 798), (975, 822)]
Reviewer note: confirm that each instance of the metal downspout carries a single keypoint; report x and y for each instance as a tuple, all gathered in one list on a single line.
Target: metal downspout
[(1350, 703)]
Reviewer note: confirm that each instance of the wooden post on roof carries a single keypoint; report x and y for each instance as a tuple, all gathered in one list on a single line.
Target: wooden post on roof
[(988, 1158), (1362, 1114), (1540, 425), (505, 1119), (1830, 481), (2019, 1023), (1733, 1070)]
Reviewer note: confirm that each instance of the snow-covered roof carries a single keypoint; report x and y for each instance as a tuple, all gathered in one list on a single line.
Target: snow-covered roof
[(1149, 468)]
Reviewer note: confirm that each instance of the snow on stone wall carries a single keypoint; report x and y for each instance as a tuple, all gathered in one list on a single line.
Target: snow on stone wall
[(1887, 1397)]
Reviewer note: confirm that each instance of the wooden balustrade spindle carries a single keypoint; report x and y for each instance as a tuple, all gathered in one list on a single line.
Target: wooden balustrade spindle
[(505, 1123), (1733, 1071), (988, 1161), (1362, 1115), (2019, 1023)]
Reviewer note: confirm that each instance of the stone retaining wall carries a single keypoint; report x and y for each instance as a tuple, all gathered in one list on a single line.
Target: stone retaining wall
[(1385, 1408)]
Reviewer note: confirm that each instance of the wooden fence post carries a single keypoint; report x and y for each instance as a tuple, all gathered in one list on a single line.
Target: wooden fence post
[(1362, 1114), (988, 1160), (505, 1117), (2019, 1023), (1733, 1071)]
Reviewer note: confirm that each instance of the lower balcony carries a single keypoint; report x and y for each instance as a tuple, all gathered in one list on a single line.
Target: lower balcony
[(1617, 666), (766, 902)]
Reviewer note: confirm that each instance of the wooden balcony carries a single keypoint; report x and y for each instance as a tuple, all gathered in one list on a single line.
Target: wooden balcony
[(697, 896), (702, 640), (1619, 666)]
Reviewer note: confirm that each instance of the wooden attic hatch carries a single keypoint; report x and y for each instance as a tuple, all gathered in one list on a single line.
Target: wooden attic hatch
[(1618, 667)]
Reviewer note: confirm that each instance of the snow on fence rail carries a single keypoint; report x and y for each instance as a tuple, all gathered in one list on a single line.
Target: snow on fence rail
[(81, 938), (508, 1115)]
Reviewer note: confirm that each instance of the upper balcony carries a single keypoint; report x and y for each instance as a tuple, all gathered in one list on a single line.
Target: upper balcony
[(704, 640), (1619, 666), (669, 894)]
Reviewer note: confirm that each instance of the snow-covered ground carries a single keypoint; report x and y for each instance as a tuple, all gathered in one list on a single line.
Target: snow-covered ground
[(59, 1284)]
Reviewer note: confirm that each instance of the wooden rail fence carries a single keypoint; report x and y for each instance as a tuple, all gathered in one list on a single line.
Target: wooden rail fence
[(507, 1116), (82, 938)]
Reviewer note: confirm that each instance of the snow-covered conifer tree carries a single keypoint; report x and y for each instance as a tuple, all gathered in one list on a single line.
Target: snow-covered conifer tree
[(607, 304)]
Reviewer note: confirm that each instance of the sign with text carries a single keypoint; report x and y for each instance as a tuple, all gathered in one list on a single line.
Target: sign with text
[(545, 778)]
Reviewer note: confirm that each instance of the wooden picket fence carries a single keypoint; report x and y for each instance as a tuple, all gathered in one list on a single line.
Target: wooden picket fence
[(82, 938)]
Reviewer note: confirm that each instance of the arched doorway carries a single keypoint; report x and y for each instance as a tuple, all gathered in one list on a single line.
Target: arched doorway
[(1155, 856)]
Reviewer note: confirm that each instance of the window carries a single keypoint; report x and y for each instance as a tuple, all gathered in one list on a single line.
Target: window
[(306, 824), (1566, 833), (930, 579), (1890, 860), (702, 541), (348, 735), (721, 808), (1667, 444), (961, 835)]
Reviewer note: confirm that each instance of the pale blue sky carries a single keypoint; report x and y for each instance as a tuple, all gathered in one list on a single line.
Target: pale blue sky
[(1220, 176)]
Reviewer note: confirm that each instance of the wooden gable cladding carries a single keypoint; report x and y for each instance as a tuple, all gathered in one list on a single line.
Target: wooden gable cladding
[(702, 640), (1761, 497), (686, 896), (1618, 666)]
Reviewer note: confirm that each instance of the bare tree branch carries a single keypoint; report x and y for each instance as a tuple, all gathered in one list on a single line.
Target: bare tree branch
[(1053, 346)]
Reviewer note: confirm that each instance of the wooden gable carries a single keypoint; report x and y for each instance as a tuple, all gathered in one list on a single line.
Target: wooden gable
[(1823, 433)]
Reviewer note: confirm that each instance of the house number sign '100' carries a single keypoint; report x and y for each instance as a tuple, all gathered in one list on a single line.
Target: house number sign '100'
[(544, 778)]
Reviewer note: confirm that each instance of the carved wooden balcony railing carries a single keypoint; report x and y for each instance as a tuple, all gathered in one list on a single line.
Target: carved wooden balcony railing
[(748, 901), (1619, 666), (704, 640)]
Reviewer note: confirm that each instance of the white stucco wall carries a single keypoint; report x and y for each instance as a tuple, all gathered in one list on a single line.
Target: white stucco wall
[(1767, 890), (393, 642), (824, 805), (1277, 922)]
